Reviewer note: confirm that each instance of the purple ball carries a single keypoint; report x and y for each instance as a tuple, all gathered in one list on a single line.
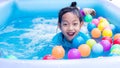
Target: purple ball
[(106, 45), (74, 54)]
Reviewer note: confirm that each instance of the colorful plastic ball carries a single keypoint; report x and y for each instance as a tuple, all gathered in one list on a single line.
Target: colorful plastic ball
[(115, 52), (85, 50), (106, 45), (90, 42), (74, 54), (97, 49), (49, 57), (116, 41), (96, 33), (58, 52), (108, 27), (78, 40), (95, 21), (115, 46), (101, 20), (107, 33), (88, 18), (116, 36), (101, 26), (11, 57), (91, 26), (113, 27), (108, 38)]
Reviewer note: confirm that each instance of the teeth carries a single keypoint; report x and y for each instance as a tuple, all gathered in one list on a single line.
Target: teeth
[(71, 34)]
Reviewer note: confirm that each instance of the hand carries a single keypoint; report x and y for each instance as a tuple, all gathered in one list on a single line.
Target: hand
[(89, 11)]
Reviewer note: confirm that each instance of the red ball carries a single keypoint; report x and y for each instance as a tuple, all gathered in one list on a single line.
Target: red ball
[(49, 57), (107, 38), (116, 41)]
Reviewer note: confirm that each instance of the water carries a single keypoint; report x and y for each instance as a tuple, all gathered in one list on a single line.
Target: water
[(28, 38)]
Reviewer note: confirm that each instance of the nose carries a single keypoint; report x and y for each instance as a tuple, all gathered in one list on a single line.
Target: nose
[(70, 27)]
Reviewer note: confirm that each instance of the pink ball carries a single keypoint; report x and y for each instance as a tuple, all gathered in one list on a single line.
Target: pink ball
[(95, 21), (74, 54), (106, 45), (100, 18)]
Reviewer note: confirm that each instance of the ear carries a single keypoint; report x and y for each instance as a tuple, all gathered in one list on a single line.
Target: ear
[(81, 24), (59, 25)]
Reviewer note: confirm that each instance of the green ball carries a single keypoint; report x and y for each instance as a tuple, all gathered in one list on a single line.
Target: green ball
[(115, 52), (115, 46), (88, 18)]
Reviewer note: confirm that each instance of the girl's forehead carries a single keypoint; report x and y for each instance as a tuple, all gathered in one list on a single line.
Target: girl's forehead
[(70, 15)]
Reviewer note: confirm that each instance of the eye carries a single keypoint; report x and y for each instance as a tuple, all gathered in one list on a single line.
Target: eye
[(65, 24), (75, 24)]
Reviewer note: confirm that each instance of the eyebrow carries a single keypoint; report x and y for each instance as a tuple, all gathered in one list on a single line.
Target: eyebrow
[(67, 21)]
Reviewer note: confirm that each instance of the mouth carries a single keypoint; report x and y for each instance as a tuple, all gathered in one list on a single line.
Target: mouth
[(70, 33)]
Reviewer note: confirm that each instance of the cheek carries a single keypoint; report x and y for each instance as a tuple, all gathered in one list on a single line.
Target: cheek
[(78, 27), (63, 29)]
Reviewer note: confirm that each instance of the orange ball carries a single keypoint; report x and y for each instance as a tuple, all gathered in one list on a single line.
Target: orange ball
[(85, 50), (58, 52), (96, 33), (116, 36)]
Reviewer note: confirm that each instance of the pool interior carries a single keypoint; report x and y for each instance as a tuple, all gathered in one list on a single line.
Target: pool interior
[(30, 38)]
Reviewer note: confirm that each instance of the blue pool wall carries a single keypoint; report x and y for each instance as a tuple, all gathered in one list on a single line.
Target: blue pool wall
[(13, 9)]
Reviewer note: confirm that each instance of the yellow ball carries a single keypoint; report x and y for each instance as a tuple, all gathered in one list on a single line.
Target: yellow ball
[(102, 25), (103, 20), (107, 33), (91, 42), (85, 50), (58, 52)]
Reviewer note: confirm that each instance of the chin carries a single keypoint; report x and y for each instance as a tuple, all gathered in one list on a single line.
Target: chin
[(70, 39)]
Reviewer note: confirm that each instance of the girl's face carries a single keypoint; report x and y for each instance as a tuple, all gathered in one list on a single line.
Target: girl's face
[(70, 25)]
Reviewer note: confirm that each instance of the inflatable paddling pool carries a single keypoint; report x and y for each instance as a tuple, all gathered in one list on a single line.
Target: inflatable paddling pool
[(19, 24)]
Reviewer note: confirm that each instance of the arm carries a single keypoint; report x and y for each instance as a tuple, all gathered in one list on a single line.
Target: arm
[(86, 11)]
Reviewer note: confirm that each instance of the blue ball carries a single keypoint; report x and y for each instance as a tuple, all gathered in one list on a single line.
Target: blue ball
[(90, 26), (113, 27), (97, 49), (78, 41)]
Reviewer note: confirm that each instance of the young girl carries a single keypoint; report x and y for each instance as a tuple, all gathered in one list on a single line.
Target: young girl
[(70, 22)]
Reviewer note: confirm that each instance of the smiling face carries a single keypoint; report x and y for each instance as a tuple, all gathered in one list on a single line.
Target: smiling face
[(70, 25)]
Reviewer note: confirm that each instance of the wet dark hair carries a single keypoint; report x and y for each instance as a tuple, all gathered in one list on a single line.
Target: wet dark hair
[(72, 9)]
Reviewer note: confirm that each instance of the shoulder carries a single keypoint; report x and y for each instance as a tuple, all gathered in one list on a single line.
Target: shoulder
[(84, 36), (57, 38)]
